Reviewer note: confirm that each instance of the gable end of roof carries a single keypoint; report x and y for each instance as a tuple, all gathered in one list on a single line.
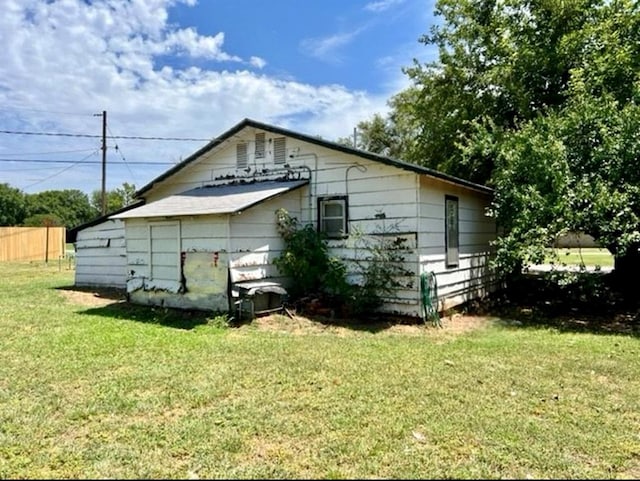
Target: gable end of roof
[(317, 141)]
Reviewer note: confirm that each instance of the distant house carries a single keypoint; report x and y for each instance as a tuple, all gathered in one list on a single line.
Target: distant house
[(208, 224)]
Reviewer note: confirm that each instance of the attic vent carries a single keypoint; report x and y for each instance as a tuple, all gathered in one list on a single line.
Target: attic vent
[(279, 150), (260, 145), (241, 155)]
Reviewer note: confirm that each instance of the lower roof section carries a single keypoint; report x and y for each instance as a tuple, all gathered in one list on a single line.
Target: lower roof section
[(217, 199)]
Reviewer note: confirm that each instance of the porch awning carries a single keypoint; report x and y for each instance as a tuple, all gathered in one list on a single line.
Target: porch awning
[(218, 199)]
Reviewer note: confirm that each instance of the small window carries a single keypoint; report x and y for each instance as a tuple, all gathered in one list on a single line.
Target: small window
[(241, 155), (279, 150), (260, 145), (451, 231), (332, 216)]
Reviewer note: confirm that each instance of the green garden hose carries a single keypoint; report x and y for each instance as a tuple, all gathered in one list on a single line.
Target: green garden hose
[(429, 293)]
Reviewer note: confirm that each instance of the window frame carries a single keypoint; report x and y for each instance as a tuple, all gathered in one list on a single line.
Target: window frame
[(322, 201), (451, 259)]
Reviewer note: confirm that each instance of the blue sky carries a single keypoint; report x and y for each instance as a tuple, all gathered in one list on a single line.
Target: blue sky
[(187, 69)]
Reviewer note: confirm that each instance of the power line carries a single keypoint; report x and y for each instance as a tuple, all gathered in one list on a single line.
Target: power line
[(55, 161), (53, 152), (23, 169), (117, 149), (60, 171), (92, 136)]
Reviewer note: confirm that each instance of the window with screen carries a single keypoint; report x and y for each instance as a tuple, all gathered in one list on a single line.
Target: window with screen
[(451, 231), (332, 216)]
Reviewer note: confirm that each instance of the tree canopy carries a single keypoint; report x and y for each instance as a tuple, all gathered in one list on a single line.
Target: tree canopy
[(538, 99), (13, 206), (116, 199), (70, 206)]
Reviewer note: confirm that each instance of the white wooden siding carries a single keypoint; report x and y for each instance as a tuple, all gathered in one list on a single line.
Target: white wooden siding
[(471, 277), (164, 250), (204, 242), (255, 241), (214, 246), (101, 255), (380, 198), (221, 162)]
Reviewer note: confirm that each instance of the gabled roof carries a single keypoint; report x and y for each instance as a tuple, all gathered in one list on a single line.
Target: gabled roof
[(248, 123), (73, 233), (217, 199)]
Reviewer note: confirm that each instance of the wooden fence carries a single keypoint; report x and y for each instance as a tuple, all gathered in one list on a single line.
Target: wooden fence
[(32, 243)]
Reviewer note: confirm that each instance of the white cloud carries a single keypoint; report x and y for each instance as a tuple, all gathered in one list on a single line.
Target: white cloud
[(326, 48), (382, 5), (258, 62), (198, 46), (63, 62)]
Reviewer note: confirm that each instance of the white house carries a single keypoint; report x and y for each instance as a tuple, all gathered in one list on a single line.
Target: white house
[(208, 224)]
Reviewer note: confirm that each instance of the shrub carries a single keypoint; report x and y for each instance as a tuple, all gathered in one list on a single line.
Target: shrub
[(306, 260)]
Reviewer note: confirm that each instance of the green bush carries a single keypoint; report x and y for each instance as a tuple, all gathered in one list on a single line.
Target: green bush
[(379, 267), (306, 260)]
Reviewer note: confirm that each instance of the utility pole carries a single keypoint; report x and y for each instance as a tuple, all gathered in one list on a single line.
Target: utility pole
[(355, 137), (104, 162), (104, 159)]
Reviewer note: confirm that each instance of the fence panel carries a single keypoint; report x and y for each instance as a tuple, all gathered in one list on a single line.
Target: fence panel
[(32, 243)]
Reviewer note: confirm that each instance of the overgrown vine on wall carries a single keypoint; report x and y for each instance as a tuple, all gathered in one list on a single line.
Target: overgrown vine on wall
[(380, 266), (378, 269)]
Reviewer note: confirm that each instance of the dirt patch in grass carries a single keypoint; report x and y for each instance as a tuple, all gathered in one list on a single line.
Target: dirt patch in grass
[(451, 325), (92, 297), (631, 472), (573, 302), (454, 324)]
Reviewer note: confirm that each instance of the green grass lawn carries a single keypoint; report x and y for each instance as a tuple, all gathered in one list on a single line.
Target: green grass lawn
[(589, 256), (118, 391)]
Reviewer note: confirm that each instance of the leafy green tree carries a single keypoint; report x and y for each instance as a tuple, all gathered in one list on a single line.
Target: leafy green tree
[(378, 135), (71, 206), (575, 170), (575, 167), (43, 220), (116, 199), (501, 63), (538, 98), (13, 207)]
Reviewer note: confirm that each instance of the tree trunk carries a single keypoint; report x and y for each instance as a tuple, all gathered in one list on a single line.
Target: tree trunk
[(627, 268)]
